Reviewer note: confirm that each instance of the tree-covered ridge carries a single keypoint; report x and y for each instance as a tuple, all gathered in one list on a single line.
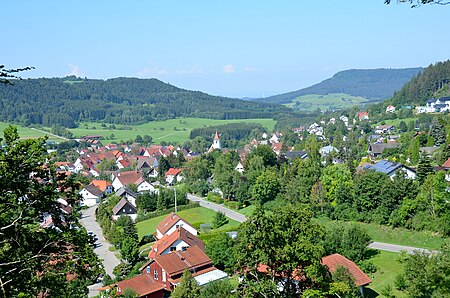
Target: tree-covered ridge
[(65, 101), (369, 83), (433, 81)]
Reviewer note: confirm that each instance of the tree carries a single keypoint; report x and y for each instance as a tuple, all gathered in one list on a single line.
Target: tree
[(34, 259), (220, 250), (289, 244), (219, 288), (402, 126), (266, 187), (188, 287), (266, 153), (424, 168), (219, 220), (437, 131), (7, 74)]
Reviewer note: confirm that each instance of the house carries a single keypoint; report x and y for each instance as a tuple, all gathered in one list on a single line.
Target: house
[(276, 148), (296, 154), (446, 167), (376, 149), (363, 116), (171, 223), (334, 261), (104, 186), (216, 143), (143, 285), (391, 168), (169, 268), (239, 167), (390, 109), (382, 129), (123, 163), (436, 105), (128, 194), (171, 174), (91, 195), (146, 164), (121, 179), (124, 207), (324, 151), (179, 240)]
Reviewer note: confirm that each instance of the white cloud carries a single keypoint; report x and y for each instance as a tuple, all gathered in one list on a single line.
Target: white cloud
[(74, 70), (194, 70), (153, 71), (229, 68), (250, 69)]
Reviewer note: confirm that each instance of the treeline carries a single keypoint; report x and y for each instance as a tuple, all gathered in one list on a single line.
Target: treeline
[(430, 82), (229, 133), (369, 83), (67, 101)]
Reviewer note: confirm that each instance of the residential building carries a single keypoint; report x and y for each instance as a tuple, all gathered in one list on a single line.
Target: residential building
[(171, 223)]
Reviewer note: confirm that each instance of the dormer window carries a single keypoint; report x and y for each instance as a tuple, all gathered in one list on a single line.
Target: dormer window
[(155, 274)]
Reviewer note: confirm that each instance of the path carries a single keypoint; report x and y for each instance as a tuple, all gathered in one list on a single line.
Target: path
[(241, 218), (108, 258), (50, 134)]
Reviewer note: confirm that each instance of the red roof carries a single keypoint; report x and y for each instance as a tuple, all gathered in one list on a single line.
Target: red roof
[(180, 234), (216, 136), (142, 284), (173, 172), (101, 184), (168, 222), (362, 114), (335, 260), (129, 177), (176, 262), (446, 164)]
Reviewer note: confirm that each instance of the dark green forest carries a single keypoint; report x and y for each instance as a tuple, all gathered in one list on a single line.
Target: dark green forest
[(375, 84), (66, 101), (433, 81)]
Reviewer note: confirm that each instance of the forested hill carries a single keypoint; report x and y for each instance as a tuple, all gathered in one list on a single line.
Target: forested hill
[(369, 83), (433, 81), (65, 101)]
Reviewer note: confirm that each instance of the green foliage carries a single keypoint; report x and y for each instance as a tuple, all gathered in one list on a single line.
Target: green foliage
[(220, 250), (218, 288), (219, 220), (266, 187), (437, 132), (424, 169), (188, 287), (34, 259), (120, 100)]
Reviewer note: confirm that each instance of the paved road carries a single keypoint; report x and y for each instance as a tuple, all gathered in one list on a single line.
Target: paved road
[(216, 207), (241, 218), (51, 134), (109, 259)]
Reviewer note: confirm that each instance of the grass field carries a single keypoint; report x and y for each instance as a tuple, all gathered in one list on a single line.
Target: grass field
[(333, 101), (395, 122), (27, 133), (194, 216), (388, 268), (378, 233), (171, 131)]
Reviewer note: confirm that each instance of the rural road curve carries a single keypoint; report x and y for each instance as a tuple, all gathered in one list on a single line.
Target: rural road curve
[(108, 258), (241, 218)]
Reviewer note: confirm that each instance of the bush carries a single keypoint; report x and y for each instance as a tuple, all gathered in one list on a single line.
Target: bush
[(216, 198), (146, 239)]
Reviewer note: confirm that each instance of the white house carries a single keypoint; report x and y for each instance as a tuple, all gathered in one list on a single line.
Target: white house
[(390, 109), (91, 195), (239, 168), (124, 207), (171, 223)]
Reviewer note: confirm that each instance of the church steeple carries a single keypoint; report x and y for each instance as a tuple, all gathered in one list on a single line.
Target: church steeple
[(216, 142)]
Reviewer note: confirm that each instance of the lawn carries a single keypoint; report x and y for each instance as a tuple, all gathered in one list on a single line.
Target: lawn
[(388, 268), (171, 131), (333, 101), (194, 216), (379, 233), (395, 122)]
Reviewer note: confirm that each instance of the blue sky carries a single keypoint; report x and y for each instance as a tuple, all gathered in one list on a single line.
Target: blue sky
[(230, 48)]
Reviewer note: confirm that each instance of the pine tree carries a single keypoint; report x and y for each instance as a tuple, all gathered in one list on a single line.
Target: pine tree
[(424, 168), (188, 287), (437, 131)]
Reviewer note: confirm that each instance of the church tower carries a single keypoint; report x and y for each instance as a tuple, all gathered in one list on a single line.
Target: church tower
[(216, 143)]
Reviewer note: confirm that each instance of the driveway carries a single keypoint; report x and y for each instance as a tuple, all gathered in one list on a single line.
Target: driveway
[(108, 258)]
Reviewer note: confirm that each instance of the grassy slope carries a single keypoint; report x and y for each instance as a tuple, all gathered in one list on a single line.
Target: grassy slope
[(332, 101), (26, 132), (388, 268), (194, 216), (162, 130)]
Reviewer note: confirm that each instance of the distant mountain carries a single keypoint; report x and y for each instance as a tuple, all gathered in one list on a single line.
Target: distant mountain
[(432, 82), (373, 84), (67, 101)]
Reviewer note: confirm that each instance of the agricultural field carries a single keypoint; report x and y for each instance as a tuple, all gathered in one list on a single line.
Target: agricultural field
[(170, 131), (333, 101), (194, 216), (28, 133)]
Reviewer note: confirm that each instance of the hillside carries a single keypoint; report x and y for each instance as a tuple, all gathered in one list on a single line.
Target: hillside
[(67, 101), (373, 84), (433, 81)]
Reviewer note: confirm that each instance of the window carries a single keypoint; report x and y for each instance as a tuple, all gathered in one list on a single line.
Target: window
[(173, 248), (155, 274), (148, 269), (184, 248), (177, 226)]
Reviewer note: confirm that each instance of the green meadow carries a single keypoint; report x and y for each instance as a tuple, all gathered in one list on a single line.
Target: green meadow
[(170, 131), (27, 132), (332, 101)]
